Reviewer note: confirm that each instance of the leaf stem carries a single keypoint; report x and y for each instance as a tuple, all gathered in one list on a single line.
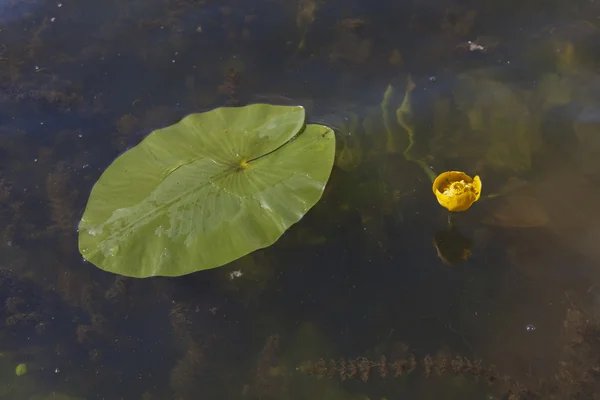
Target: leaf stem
[(402, 113)]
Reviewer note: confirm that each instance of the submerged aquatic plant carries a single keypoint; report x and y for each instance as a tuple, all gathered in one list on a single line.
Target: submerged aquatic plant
[(206, 191), (363, 369), (456, 190)]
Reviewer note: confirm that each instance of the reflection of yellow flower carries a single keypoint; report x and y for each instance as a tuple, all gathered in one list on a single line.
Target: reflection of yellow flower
[(452, 246), (456, 190)]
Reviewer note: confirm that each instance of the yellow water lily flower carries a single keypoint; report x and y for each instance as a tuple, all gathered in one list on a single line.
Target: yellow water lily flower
[(456, 190)]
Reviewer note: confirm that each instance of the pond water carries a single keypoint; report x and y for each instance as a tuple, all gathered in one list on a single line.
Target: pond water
[(499, 302)]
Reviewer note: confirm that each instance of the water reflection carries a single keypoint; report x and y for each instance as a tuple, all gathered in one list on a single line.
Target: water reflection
[(452, 246), (514, 100)]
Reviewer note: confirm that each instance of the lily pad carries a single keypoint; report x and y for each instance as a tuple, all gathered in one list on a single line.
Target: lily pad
[(206, 191)]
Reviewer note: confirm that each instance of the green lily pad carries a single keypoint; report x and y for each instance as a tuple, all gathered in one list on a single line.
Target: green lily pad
[(206, 191)]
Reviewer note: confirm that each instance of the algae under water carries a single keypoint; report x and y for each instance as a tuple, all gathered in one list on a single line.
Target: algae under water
[(375, 288)]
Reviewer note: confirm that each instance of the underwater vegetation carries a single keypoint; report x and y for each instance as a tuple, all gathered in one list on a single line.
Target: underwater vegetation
[(576, 375), (76, 93), (365, 369)]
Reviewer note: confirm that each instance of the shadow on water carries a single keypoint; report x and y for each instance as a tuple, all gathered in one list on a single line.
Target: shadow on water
[(373, 291)]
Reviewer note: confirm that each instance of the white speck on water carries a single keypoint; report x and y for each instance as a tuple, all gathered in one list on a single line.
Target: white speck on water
[(475, 46), (35, 160), (530, 327), (235, 274), (52, 19)]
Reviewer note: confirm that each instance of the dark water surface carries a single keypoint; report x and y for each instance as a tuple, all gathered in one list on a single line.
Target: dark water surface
[(503, 304)]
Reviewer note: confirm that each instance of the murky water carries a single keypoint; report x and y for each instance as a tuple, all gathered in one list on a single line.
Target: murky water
[(501, 303)]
